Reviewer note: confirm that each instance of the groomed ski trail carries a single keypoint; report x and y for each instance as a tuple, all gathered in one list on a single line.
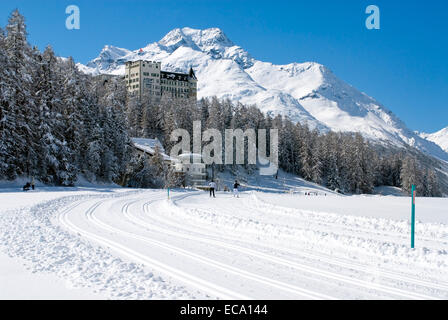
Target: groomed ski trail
[(145, 229)]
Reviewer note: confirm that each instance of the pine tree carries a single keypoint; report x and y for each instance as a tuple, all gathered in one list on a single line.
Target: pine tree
[(409, 174), (18, 114), (306, 168), (46, 165), (317, 163), (159, 168), (135, 109), (141, 173), (433, 188), (174, 179), (7, 115)]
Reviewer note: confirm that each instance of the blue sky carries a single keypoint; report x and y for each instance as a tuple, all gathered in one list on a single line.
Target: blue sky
[(404, 65)]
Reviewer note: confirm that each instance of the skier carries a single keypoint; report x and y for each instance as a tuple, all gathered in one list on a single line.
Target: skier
[(235, 189), (32, 183), (212, 186)]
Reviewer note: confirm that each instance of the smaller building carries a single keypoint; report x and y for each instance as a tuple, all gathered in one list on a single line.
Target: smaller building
[(195, 172)]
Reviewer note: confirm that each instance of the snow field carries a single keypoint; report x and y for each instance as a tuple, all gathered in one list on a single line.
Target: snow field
[(32, 235), (311, 244), (139, 245)]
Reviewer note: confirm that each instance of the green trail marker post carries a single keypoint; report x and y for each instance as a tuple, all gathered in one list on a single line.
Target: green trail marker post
[(414, 193)]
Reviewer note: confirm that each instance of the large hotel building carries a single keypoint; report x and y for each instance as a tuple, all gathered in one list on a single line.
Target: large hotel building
[(147, 77)]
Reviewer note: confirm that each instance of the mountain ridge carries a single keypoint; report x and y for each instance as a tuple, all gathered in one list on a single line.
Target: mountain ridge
[(440, 138), (306, 92)]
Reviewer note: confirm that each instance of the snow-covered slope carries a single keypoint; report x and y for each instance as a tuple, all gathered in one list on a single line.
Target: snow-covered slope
[(306, 92), (439, 137), (135, 244)]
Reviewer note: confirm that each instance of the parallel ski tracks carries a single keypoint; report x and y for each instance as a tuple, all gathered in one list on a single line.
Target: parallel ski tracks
[(301, 292), (209, 238), (206, 286), (186, 234), (182, 276)]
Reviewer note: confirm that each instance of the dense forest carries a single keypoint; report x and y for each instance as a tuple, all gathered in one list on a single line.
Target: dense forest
[(59, 125), (55, 123), (344, 161)]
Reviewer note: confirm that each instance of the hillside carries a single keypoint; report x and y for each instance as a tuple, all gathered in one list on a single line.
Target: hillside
[(306, 92), (439, 137)]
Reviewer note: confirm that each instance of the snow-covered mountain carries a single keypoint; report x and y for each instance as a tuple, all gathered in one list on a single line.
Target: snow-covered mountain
[(306, 92), (439, 137)]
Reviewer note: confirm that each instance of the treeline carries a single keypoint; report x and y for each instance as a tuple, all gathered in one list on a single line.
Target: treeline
[(344, 161), (57, 124)]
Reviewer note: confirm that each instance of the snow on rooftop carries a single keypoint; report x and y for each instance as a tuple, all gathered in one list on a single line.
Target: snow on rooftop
[(185, 155), (149, 145)]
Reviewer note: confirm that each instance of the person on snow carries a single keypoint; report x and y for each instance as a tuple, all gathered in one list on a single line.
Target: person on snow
[(32, 183), (27, 187), (212, 186), (235, 189)]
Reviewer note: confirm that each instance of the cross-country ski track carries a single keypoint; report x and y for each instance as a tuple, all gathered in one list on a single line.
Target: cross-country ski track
[(229, 248)]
